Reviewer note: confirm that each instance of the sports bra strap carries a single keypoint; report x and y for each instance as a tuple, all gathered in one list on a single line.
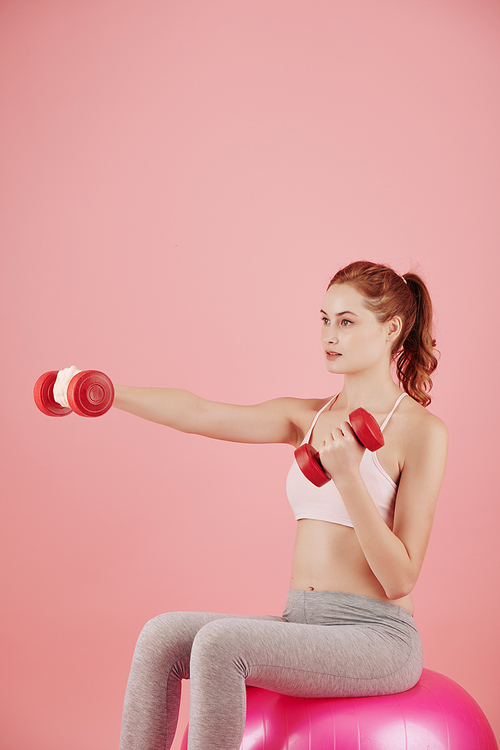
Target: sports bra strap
[(311, 428), (392, 410)]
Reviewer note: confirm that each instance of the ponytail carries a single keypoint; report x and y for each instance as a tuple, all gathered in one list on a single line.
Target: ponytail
[(415, 360), (389, 295)]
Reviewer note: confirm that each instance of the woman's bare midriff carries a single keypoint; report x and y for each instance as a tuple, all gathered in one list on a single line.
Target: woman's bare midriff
[(328, 557)]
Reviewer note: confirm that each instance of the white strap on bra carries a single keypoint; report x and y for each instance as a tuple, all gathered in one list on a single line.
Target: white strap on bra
[(392, 411), (311, 428)]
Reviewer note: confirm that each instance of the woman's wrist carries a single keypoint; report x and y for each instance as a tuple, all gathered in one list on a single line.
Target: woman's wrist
[(348, 479)]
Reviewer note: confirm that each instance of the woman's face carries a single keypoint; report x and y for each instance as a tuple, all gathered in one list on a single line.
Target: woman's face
[(353, 339)]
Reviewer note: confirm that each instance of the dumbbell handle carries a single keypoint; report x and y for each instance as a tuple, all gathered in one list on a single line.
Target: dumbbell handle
[(90, 394), (366, 430)]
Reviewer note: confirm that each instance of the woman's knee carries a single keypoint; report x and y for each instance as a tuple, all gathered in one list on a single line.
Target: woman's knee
[(156, 628), (166, 635), (220, 642)]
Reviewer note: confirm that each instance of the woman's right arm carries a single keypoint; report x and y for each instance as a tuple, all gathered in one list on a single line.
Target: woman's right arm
[(275, 421)]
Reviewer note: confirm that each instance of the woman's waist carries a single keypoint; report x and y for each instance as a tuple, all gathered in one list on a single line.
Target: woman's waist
[(345, 608), (328, 557), (327, 549), (352, 587)]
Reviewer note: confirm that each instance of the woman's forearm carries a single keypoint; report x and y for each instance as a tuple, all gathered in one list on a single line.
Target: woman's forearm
[(385, 553)]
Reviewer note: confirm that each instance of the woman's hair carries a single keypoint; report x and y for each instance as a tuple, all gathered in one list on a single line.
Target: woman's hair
[(388, 295)]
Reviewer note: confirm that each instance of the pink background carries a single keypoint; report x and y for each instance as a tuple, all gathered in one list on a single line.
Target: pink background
[(179, 180)]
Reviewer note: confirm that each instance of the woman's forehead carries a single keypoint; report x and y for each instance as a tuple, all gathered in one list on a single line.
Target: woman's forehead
[(343, 297)]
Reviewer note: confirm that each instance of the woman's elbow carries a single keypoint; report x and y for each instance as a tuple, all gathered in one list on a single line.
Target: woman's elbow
[(397, 589)]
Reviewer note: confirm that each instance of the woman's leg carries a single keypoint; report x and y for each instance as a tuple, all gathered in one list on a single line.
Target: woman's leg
[(345, 659), (160, 662)]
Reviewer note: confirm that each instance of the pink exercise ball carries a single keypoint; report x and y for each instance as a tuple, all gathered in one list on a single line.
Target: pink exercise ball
[(437, 714)]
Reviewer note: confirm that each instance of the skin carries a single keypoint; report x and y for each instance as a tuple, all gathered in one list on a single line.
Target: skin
[(369, 559)]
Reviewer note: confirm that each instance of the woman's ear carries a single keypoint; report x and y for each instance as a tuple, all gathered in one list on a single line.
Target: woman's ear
[(394, 327)]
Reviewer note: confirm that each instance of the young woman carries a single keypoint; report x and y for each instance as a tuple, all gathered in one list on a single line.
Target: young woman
[(347, 629)]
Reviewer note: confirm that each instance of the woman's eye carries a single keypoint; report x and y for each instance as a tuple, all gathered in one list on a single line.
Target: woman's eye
[(325, 321), (345, 322)]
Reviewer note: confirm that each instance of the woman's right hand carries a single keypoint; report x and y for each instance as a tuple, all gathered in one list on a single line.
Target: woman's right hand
[(61, 384)]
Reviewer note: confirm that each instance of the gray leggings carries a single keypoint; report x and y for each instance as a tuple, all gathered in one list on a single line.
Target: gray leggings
[(327, 644)]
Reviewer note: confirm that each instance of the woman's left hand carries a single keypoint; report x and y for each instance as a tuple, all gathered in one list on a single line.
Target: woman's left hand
[(341, 452)]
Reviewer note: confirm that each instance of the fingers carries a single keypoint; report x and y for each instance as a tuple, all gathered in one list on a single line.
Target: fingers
[(61, 384), (340, 439), (345, 430), (341, 453)]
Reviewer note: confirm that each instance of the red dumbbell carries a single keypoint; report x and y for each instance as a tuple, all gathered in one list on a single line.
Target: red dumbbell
[(367, 431), (90, 394)]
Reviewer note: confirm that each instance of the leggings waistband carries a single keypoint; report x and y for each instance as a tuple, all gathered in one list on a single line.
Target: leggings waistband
[(338, 607)]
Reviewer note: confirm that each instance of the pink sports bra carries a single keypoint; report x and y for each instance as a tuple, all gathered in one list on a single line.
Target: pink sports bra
[(325, 503)]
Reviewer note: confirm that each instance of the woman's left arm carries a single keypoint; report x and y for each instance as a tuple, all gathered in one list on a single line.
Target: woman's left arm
[(396, 556)]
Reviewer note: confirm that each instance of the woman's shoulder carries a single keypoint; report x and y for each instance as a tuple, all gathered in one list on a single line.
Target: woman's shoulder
[(302, 412), (306, 406), (419, 424)]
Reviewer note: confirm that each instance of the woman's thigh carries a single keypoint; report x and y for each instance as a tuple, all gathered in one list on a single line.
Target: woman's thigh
[(306, 660), (166, 640)]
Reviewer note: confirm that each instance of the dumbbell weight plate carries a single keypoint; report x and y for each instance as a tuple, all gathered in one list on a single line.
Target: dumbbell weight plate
[(90, 393), (366, 429), (308, 462), (44, 396)]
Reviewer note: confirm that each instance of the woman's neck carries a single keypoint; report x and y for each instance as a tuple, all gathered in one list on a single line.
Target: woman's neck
[(373, 394)]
